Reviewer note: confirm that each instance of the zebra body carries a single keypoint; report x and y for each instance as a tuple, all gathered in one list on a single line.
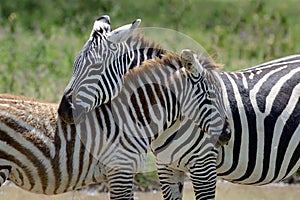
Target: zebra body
[(112, 142), (39, 151), (263, 107)]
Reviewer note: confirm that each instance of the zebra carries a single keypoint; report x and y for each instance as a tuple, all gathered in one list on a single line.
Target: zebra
[(38, 151), (262, 103), (109, 53), (68, 103), (85, 96), (41, 153), (263, 108), (232, 159)]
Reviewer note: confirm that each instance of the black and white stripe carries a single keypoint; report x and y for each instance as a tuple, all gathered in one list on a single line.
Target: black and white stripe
[(263, 107), (39, 152), (48, 156), (263, 121), (102, 63), (70, 110)]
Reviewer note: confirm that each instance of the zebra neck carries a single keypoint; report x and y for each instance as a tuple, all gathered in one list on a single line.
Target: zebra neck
[(137, 57)]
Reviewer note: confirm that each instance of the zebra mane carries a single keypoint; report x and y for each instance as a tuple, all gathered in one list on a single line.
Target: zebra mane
[(145, 43), (168, 59), (17, 98), (20, 99), (207, 63), (172, 60)]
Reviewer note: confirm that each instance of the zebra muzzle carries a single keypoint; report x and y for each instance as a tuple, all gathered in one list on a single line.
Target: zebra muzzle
[(65, 109), (70, 111)]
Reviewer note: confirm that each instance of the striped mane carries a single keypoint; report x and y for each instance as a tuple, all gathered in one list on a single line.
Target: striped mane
[(167, 56), (169, 59), (18, 98), (148, 66), (145, 43), (5, 98)]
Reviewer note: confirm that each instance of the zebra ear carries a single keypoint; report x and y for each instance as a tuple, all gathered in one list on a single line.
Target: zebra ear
[(101, 23), (124, 32), (191, 62)]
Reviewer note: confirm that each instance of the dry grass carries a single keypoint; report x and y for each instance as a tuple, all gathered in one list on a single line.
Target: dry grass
[(224, 191)]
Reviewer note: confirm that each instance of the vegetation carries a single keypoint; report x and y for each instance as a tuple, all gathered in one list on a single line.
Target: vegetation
[(40, 39)]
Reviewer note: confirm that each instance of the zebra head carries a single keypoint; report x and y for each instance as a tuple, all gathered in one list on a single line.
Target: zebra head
[(213, 114), (97, 70)]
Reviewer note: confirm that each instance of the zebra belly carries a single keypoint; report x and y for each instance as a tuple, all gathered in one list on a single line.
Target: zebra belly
[(48, 167), (253, 164), (48, 183)]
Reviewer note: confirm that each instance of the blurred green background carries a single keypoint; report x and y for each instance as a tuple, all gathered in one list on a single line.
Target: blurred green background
[(40, 39)]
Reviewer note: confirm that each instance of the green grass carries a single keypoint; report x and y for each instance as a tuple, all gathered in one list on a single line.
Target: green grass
[(36, 65), (39, 41)]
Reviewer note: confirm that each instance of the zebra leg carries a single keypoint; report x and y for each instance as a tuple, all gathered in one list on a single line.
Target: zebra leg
[(4, 173), (203, 175), (120, 184), (171, 181)]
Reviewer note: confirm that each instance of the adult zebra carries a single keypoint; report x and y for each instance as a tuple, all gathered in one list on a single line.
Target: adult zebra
[(233, 160), (42, 154), (263, 105), (107, 53)]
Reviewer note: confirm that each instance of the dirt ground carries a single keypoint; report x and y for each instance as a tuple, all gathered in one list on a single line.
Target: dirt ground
[(224, 191)]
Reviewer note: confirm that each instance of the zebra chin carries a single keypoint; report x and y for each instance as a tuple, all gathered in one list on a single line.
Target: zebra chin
[(70, 113)]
